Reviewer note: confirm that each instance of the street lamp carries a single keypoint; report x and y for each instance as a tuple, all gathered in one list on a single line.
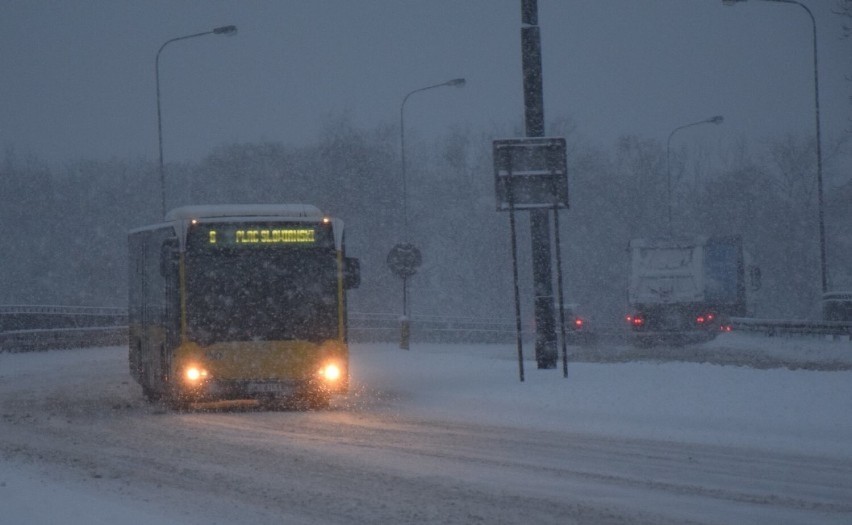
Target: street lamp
[(454, 82), (223, 30), (404, 327), (712, 120), (820, 202)]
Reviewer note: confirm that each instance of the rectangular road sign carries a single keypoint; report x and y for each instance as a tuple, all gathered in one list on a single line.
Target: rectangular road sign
[(530, 173)]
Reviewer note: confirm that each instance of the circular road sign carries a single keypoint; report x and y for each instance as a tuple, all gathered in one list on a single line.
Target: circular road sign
[(404, 259)]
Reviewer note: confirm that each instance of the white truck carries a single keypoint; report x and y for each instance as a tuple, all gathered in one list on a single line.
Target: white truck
[(686, 289)]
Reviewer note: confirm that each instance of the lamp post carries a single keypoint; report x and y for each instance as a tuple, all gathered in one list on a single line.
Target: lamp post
[(712, 120), (412, 255), (454, 82), (820, 202), (223, 30)]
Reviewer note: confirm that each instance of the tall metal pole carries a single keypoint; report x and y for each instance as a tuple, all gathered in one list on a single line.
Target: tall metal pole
[(224, 30), (713, 120), (820, 199), (454, 82), (515, 278), (545, 330), (405, 327)]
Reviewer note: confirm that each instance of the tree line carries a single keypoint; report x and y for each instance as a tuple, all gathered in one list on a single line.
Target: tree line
[(65, 229)]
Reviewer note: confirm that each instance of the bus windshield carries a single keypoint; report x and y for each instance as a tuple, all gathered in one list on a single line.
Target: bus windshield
[(261, 294)]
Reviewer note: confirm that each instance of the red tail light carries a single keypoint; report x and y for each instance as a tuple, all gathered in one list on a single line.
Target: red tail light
[(634, 320), (705, 318), (578, 323)]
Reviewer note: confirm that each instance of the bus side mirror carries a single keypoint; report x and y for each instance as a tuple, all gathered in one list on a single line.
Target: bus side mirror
[(351, 272), (754, 278)]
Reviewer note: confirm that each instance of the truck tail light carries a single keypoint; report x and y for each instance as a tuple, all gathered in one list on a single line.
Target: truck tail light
[(635, 320)]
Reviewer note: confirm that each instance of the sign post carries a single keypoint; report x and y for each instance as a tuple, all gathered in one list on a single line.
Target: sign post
[(403, 260), (530, 174)]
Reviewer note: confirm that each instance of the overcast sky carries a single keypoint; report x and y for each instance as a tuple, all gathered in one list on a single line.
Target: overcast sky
[(77, 77)]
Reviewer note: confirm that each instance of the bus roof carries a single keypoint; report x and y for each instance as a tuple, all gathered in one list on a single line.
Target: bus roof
[(244, 210)]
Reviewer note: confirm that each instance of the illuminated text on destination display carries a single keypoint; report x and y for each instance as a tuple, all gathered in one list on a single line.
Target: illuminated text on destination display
[(262, 236)]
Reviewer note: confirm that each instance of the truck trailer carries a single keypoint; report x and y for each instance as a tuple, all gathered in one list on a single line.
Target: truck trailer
[(685, 289)]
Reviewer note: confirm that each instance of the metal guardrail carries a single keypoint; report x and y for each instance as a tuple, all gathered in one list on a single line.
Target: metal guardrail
[(36, 327), (25, 328), (32, 328), (777, 327), (65, 328), (40, 317), (61, 338), (373, 327), (62, 310)]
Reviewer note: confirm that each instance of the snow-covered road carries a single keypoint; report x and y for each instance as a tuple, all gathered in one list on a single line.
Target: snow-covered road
[(439, 434)]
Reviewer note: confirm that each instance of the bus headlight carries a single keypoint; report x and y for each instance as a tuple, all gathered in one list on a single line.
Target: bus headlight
[(330, 372), (193, 374)]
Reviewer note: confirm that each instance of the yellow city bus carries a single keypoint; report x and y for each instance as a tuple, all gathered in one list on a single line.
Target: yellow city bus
[(240, 302)]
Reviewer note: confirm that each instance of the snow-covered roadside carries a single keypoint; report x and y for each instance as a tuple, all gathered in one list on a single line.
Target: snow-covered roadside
[(799, 411), (803, 411), (29, 494)]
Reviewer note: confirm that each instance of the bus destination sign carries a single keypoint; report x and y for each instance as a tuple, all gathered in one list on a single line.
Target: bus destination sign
[(261, 236), (253, 235)]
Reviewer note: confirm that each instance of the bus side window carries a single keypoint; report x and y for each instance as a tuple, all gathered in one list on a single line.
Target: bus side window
[(351, 272), (169, 257), (169, 266)]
